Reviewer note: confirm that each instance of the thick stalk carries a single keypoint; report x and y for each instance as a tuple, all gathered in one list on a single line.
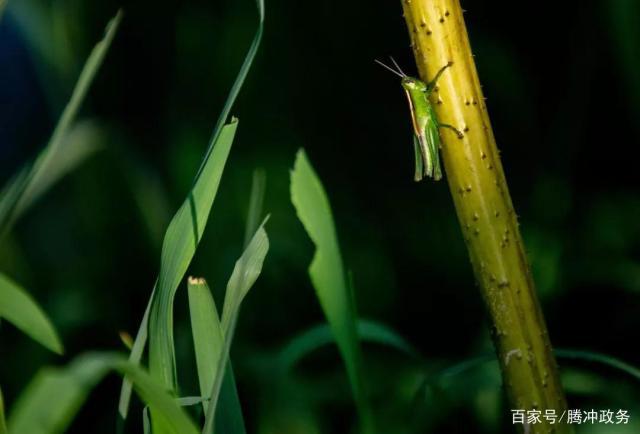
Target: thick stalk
[(487, 218)]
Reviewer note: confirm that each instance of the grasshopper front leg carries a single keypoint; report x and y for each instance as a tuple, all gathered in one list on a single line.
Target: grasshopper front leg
[(433, 82), (451, 127)]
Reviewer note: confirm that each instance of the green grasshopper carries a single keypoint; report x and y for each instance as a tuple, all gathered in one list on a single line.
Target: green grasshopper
[(426, 134)]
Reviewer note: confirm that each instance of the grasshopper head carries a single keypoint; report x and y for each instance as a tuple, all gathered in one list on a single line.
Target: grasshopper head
[(411, 83)]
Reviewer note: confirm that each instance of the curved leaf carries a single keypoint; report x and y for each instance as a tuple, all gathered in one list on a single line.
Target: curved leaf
[(17, 306), (328, 274), (244, 275), (52, 162), (208, 341), (36, 412), (162, 359), (179, 246)]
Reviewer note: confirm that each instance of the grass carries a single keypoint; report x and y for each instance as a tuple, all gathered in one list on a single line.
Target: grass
[(19, 308), (72, 384), (329, 277), (217, 407), (60, 155)]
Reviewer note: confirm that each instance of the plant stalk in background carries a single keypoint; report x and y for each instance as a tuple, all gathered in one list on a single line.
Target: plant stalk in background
[(483, 204)]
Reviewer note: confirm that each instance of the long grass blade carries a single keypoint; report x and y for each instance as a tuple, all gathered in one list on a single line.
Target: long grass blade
[(237, 85), (179, 246), (36, 412), (245, 274), (162, 357), (328, 275), (207, 333), (208, 340), (83, 139), (229, 418), (3, 4), (55, 157), (134, 357), (17, 306)]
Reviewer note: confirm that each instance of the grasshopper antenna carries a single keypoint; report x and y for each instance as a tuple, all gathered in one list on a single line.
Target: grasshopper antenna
[(397, 66), (387, 67)]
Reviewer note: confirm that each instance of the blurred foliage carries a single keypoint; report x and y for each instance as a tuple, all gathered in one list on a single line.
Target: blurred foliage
[(563, 95)]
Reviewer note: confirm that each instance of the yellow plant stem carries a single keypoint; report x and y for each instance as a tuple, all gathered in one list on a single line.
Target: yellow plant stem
[(487, 218)]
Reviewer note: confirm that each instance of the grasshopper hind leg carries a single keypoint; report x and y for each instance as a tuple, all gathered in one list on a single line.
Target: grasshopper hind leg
[(417, 150), (427, 164), (437, 170)]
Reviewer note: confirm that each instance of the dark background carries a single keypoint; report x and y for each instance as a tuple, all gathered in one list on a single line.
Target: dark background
[(563, 96)]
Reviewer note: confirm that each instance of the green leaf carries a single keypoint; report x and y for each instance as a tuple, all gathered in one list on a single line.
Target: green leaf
[(245, 273), (208, 340), (179, 246), (134, 357), (242, 75), (146, 421), (17, 306), (207, 333), (63, 151), (328, 274), (229, 418), (173, 265), (161, 355), (36, 412), (321, 335), (83, 139)]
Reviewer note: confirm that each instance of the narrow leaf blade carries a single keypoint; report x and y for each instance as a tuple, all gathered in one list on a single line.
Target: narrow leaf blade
[(35, 178), (36, 413), (207, 333), (164, 357), (135, 356), (328, 274), (179, 246), (208, 340), (245, 274), (17, 306)]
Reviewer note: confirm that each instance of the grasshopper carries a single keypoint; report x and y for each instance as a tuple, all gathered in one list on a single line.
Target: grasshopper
[(426, 127)]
